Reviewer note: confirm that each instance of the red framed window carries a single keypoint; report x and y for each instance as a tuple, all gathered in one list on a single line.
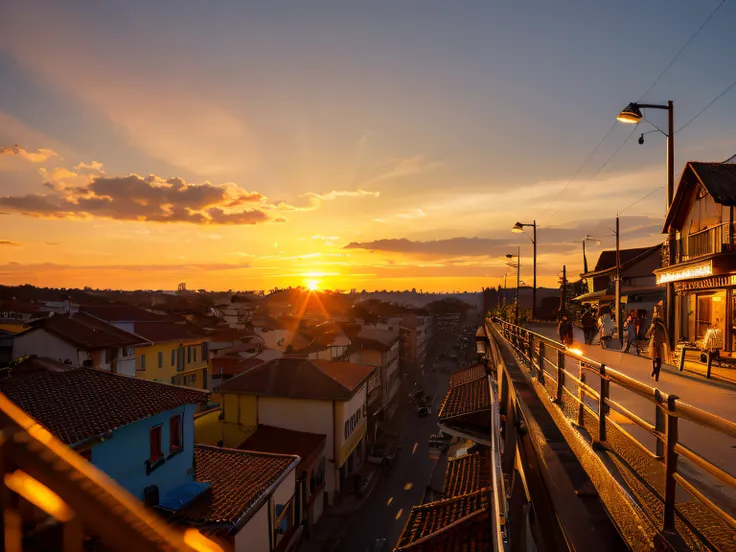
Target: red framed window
[(175, 433), (156, 452)]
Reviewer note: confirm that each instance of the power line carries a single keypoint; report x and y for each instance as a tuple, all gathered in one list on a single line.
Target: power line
[(580, 168), (603, 166), (714, 100), (689, 40), (642, 198)]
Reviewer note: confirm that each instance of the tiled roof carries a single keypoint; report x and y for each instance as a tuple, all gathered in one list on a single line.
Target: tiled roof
[(467, 473), (285, 441), (301, 378), (86, 332), (458, 524), (79, 403), (233, 365), (239, 480), (466, 398), (123, 313), (607, 260), (463, 375), (161, 332), (381, 340)]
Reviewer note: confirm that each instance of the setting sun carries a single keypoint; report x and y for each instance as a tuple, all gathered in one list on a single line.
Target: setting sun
[(313, 285)]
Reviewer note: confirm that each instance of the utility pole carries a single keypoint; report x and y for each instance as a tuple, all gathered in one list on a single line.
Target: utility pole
[(619, 326), (518, 284), (563, 289), (585, 259)]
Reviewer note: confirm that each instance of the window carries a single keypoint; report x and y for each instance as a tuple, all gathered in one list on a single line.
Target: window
[(189, 355), (175, 433), (143, 362), (156, 452), (160, 360), (128, 351), (195, 354), (173, 357), (284, 520)]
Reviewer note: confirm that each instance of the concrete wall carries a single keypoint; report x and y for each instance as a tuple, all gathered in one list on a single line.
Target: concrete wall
[(240, 418), (344, 412), (123, 456), (254, 537), (208, 427), (42, 343)]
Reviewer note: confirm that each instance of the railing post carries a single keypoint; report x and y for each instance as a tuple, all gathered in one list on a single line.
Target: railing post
[(670, 464), (659, 424), (581, 396), (541, 357), (560, 376), (602, 406), (530, 352)]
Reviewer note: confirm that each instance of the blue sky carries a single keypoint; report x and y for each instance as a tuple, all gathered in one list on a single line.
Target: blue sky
[(430, 121)]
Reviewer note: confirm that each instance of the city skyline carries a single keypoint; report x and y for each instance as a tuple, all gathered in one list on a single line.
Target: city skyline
[(360, 147)]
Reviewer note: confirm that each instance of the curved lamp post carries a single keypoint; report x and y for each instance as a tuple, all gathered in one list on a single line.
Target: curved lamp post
[(519, 228), (632, 114), (518, 282)]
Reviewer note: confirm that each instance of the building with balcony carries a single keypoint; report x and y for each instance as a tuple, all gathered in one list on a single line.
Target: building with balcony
[(639, 289), (311, 396), (80, 340), (701, 259)]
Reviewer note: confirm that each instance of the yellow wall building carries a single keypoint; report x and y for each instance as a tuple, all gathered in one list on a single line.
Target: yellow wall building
[(177, 355)]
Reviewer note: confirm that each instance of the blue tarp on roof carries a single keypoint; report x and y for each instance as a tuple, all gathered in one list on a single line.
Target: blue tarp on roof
[(182, 495)]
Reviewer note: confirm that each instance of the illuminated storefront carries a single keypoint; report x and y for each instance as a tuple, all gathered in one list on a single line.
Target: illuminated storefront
[(703, 270)]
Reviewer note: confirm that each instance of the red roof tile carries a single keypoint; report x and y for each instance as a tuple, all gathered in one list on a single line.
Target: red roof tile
[(124, 313), (233, 365), (300, 378), (85, 331), (79, 403), (471, 373), (458, 524), (466, 398), (161, 332), (286, 441), (239, 480), (467, 473)]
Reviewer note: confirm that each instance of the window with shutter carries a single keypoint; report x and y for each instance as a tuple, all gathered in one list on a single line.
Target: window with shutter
[(175, 433), (156, 452)]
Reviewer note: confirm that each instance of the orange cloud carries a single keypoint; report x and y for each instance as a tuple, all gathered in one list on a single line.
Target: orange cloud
[(38, 156)]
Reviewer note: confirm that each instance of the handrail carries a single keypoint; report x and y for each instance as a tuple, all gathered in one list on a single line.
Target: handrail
[(668, 409), (58, 476)]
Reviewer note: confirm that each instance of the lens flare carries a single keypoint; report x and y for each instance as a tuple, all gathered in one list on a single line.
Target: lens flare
[(313, 285)]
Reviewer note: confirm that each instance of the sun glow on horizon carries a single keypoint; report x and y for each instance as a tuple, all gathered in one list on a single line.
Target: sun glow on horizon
[(313, 285)]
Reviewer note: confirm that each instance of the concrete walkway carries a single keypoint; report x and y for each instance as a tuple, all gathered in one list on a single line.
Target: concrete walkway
[(713, 396)]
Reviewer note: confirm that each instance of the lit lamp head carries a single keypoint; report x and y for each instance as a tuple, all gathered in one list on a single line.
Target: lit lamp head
[(518, 228), (631, 114)]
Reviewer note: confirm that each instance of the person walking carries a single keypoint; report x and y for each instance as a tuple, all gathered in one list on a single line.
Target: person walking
[(631, 326), (605, 324), (564, 329), (589, 326), (658, 340)]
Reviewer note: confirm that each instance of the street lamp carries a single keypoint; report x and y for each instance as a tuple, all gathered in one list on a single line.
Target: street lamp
[(631, 114), (518, 282), (518, 228)]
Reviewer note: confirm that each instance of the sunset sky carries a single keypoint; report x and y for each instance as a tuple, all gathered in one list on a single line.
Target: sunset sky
[(368, 145)]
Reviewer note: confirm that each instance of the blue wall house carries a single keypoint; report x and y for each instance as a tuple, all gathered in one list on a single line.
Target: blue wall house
[(139, 432)]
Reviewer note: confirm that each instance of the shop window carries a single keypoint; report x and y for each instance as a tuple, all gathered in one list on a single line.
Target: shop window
[(284, 521), (317, 480)]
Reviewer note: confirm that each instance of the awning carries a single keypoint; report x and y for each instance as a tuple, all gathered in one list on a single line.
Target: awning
[(593, 296)]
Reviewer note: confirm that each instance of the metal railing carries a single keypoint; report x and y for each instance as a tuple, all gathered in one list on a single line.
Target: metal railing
[(594, 415), (43, 480), (704, 242)]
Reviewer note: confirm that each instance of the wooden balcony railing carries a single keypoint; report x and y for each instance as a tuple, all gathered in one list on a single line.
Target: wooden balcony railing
[(709, 241), (43, 481)]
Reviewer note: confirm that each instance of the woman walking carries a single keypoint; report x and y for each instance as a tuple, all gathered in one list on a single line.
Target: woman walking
[(632, 331), (564, 329), (605, 324), (658, 339)]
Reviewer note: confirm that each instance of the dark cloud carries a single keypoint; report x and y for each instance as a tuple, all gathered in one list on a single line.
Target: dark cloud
[(133, 197), (550, 240), (456, 247), (8, 242)]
